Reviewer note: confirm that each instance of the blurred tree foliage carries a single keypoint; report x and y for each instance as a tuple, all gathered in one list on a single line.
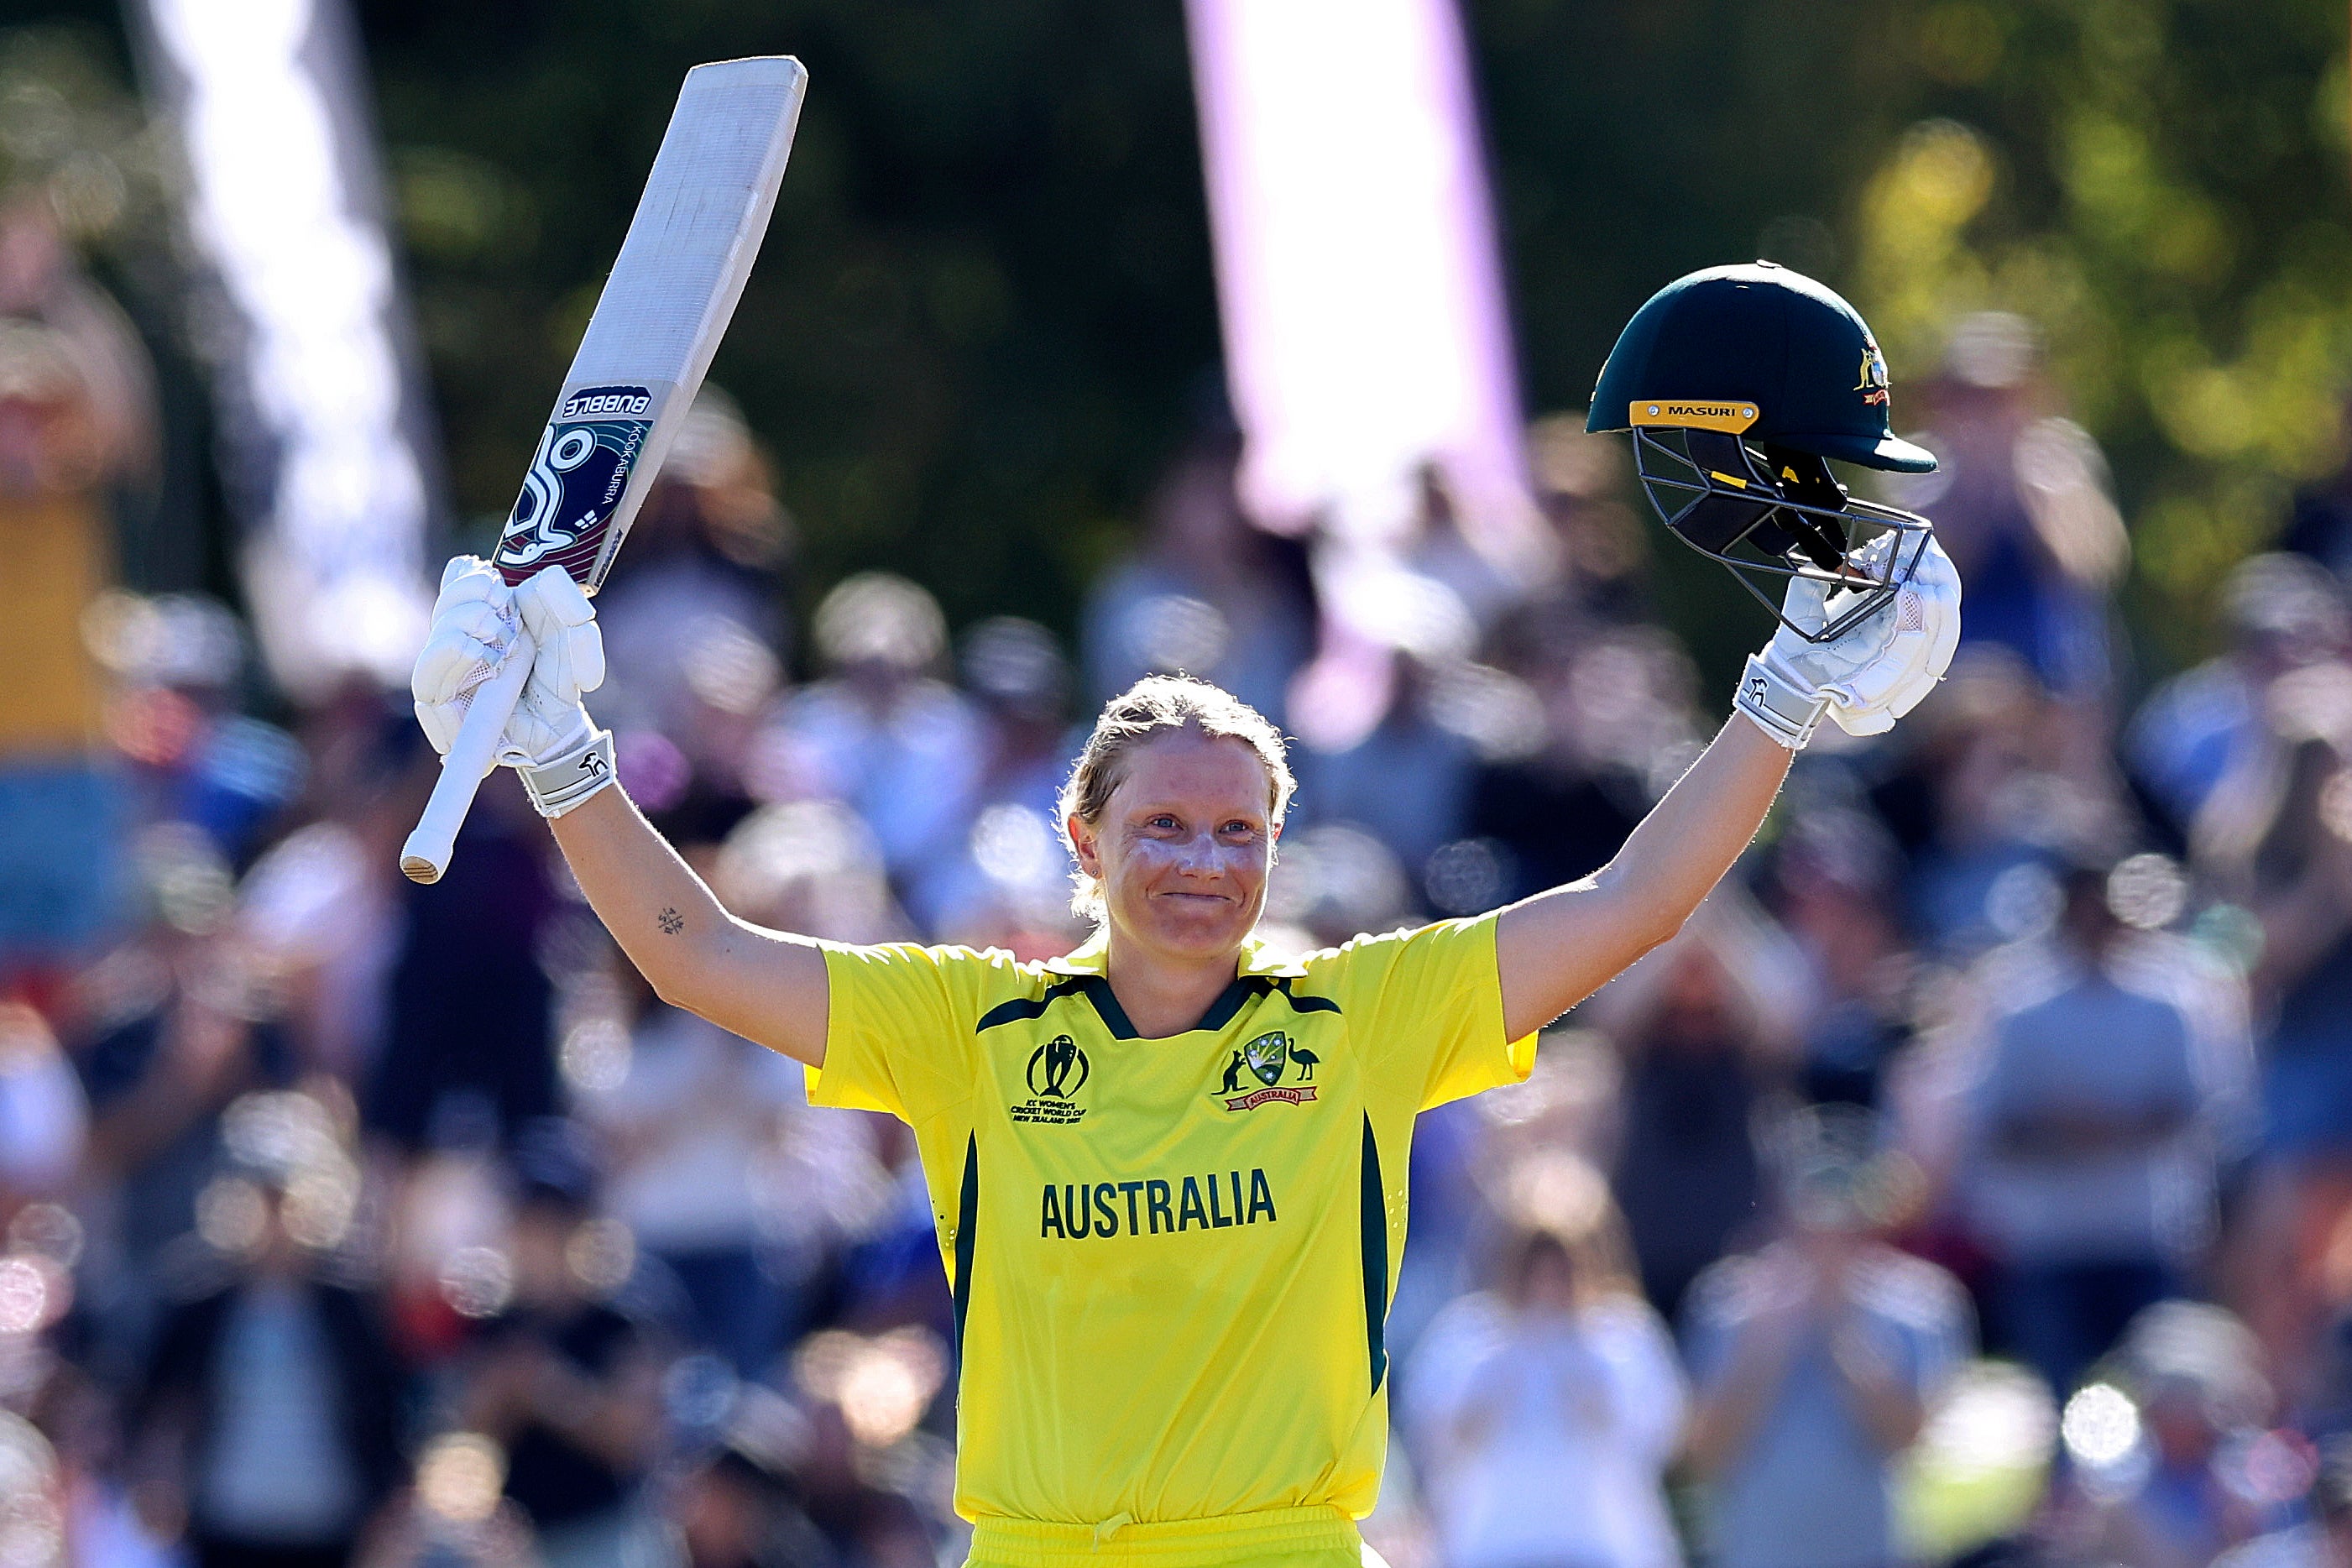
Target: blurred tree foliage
[(985, 312), (2163, 186), (1632, 142), (983, 305)]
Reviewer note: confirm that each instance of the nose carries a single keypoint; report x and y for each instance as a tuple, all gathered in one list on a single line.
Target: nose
[(1199, 857)]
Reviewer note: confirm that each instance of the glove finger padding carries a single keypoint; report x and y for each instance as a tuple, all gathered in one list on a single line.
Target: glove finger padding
[(1803, 605), (479, 623), (544, 725), (472, 635), (441, 723), (564, 623), (1921, 630), (469, 579), (453, 663)]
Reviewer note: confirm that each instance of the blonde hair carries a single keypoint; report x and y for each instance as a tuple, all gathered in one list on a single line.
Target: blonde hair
[(1154, 706)]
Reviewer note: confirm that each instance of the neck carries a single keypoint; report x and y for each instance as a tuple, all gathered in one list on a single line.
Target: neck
[(1165, 994)]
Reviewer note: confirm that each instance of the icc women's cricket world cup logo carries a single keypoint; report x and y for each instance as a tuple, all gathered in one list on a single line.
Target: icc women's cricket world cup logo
[(1057, 1069)]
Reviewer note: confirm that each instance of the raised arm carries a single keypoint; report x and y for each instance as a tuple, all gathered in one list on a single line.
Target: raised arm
[(1559, 947), (768, 986)]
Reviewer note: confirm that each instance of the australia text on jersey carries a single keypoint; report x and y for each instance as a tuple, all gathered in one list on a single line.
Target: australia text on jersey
[(1153, 1206)]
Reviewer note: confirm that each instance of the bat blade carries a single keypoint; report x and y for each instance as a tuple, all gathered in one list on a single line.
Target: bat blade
[(664, 308), (672, 292)]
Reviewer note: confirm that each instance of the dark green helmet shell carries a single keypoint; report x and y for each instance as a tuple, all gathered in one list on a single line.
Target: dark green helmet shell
[(1760, 352)]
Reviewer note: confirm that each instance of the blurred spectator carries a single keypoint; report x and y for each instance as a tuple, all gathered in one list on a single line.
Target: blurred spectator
[(1544, 1411), (2020, 498), (1407, 782), (1206, 594), (179, 661), (1704, 1036), (701, 574), (270, 1398), (565, 1380), (1009, 887), (739, 1505), (1337, 880), (33, 1511), (871, 1473), (76, 416), (2280, 613), (686, 1113), (454, 1516), (1983, 801), (882, 733), (325, 925), (695, 634), (1611, 728), (1016, 670), (2325, 1540), (810, 866), (2320, 524), (2114, 1068), (1833, 887), (468, 1057), (2274, 837), (1581, 484), (164, 1032), (44, 1119), (1814, 1361), (2202, 1476)]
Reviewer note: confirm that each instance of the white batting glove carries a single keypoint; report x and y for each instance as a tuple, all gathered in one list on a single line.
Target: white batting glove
[(473, 624), (1873, 674)]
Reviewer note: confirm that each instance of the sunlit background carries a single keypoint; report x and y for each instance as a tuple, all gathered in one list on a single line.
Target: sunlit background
[(1972, 1182)]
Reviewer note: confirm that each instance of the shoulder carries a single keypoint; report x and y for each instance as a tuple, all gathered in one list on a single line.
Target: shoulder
[(992, 964), (1625, 1320), (1913, 1292), (1730, 1291), (2017, 979), (2173, 970), (1465, 943), (1467, 1333), (1466, 1324), (910, 983)]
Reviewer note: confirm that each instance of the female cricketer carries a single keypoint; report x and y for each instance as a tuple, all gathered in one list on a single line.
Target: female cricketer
[(1167, 1170)]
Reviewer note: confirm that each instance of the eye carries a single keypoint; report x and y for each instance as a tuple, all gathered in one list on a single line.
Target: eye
[(1161, 820)]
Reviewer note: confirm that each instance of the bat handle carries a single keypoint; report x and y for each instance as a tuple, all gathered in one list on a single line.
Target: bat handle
[(426, 855)]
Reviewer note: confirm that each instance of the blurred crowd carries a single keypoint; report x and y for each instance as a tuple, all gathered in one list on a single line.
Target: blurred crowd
[(1972, 1180)]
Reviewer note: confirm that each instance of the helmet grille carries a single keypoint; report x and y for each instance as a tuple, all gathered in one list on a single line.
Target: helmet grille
[(1774, 514)]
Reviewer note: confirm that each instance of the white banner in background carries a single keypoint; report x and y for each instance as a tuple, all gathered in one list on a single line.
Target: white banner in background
[(325, 441), (1360, 293)]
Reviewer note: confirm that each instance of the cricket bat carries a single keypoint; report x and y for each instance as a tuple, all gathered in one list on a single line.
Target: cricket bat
[(671, 293)]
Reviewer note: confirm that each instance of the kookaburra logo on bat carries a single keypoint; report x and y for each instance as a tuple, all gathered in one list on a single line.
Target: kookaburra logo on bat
[(539, 507), (576, 476)]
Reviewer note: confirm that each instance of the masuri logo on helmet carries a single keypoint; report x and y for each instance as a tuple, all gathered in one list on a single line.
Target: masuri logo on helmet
[(1734, 384)]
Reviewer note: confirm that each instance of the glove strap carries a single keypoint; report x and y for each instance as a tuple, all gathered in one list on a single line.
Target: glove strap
[(1781, 708), (560, 782)]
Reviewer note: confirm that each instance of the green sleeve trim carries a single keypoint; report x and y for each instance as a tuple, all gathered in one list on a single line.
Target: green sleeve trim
[(1375, 1223)]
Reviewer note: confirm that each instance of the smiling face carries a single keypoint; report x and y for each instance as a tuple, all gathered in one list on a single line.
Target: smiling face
[(1182, 846)]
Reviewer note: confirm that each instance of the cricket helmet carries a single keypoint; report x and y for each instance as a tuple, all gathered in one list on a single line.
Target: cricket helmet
[(1738, 383)]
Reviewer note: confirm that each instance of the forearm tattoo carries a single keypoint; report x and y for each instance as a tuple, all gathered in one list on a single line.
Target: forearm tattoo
[(671, 921)]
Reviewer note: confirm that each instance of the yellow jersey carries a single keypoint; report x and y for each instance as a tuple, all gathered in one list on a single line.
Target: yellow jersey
[(1172, 1258)]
